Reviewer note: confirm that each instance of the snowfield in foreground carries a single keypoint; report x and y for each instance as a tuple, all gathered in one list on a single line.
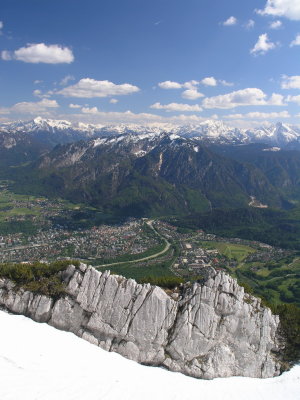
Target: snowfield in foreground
[(38, 362)]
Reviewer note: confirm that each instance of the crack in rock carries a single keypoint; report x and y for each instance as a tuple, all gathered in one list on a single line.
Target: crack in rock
[(212, 331)]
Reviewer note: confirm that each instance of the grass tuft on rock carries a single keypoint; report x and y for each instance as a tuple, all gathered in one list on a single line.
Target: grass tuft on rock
[(38, 277)]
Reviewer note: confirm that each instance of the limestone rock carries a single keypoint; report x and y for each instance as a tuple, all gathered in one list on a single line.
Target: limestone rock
[(210, 330)]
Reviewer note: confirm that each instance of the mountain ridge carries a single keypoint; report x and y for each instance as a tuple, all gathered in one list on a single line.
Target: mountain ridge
[(211, 131), (152, 173), (158, 175)]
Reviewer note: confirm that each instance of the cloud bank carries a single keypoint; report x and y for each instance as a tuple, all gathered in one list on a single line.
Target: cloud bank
[(40, 53), (244, 97), (26, 107), (290, 82), (282, 8), (176, 107), (89, 88)]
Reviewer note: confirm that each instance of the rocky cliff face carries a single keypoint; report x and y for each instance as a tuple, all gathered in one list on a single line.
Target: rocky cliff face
[(209, 330)]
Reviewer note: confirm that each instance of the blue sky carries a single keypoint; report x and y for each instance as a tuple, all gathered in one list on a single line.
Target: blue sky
[(138, 61)]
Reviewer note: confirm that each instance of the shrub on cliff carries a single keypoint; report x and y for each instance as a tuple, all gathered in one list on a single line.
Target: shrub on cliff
[(168, 282), (38, 277), (289, 315)]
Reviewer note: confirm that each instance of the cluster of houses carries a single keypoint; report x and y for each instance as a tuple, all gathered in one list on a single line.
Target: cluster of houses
[(97, 243)]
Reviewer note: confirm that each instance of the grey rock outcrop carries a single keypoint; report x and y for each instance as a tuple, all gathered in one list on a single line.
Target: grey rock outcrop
[(212, 330)]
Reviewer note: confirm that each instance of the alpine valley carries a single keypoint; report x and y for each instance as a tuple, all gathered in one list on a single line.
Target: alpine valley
[(158, 170), (146, 176), (149, 200), (193, 205)]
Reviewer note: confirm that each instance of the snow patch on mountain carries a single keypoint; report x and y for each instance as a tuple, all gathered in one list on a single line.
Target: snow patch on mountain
[(210, 131), (98, 142)]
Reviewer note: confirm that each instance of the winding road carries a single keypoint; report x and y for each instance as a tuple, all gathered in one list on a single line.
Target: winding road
[(166, 248)]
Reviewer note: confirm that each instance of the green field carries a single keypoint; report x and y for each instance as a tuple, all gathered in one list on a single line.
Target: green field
[(138, 272), (236, 252), (277, 282), (160, 267), (133, 257), (18, 205)]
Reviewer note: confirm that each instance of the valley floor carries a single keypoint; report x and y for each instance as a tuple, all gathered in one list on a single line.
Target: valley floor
[(38, 362)]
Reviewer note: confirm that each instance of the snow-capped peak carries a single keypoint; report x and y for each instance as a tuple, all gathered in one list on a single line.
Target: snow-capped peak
[(36, 124), (213, 131), (52, 122)]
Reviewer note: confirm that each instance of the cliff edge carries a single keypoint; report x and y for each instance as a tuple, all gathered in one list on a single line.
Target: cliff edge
[(208, 330)]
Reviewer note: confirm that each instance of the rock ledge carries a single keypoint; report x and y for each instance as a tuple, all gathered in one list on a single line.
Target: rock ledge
[(212, 330)]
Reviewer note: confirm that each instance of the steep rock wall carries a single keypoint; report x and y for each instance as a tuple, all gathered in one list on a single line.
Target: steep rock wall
[(211, 330)]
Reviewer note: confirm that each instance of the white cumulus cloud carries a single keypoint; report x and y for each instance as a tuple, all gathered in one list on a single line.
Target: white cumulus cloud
[(6, 55), (37, 92), (244, 97), (250, 24), (209, 81), (290, 82), (192, 94), (130, 117), (89, 88), (176, 85), (282, 8), (230, 21), (40, 53), (113, 101), (92, 110), (176, 107), (74, 105), (293, 99), (40, 107), (170, 85), (296, 41), (190, 84), (40, 94), (225, 83), (275, 100), (263, 45), (275, 24), (66, 80), (260, 115)]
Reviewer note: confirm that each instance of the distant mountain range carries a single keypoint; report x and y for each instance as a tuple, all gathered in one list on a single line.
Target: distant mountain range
[(154, 170), (160, 175), (52, 132)]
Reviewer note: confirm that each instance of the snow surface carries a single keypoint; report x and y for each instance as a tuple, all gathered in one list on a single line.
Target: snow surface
[(98, 142), (38, 362)]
